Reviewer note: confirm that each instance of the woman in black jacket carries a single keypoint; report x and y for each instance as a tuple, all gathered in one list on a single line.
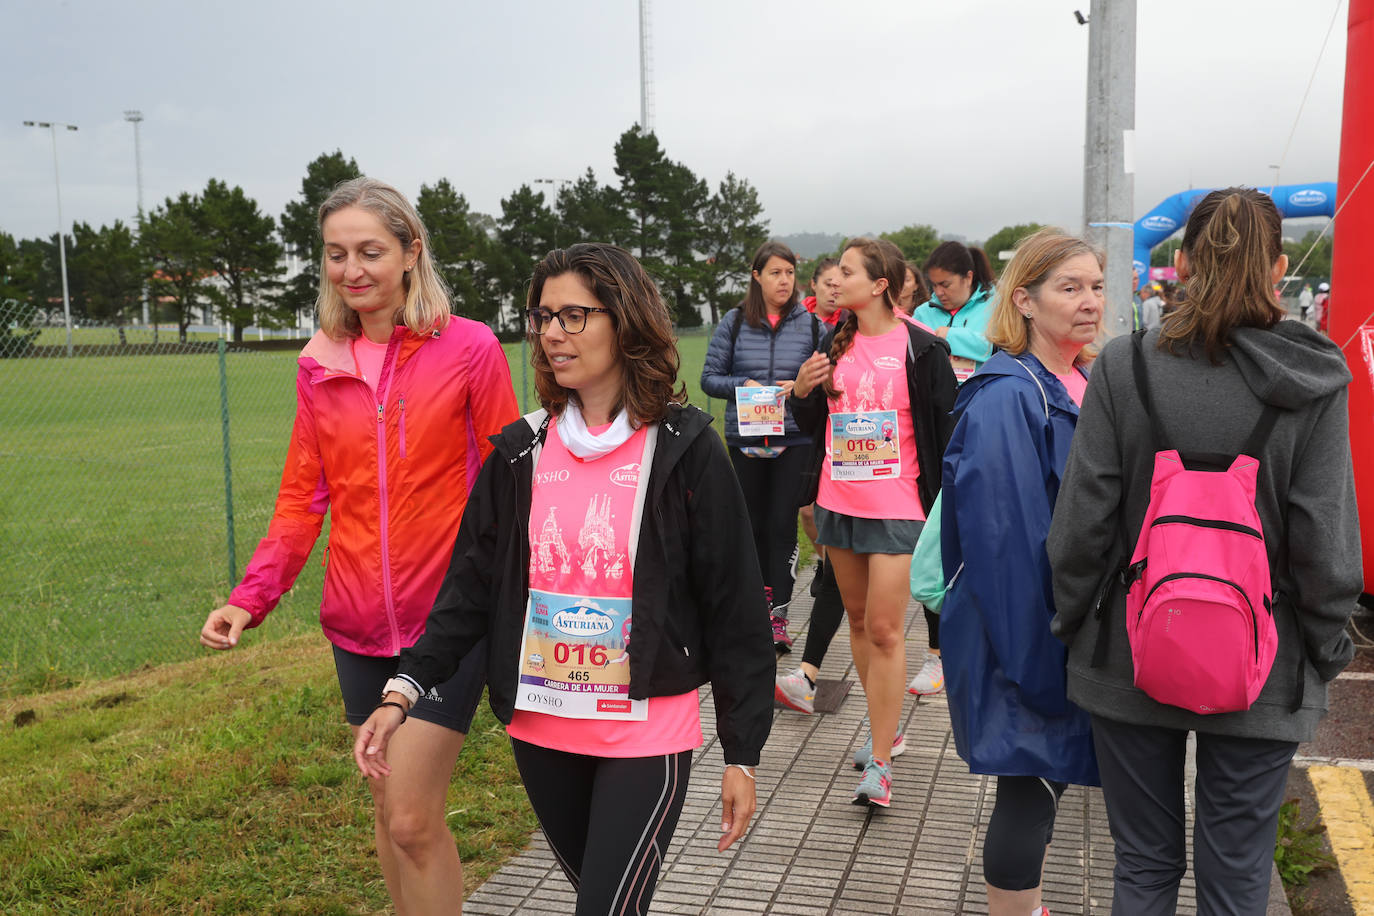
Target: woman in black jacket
[(601, 634), (751, 364)]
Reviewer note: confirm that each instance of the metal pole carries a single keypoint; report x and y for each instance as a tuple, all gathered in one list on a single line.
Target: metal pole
[(134, 117), (524, 372), (61, 241), (1108, 179), (228, 465), (646, 114)]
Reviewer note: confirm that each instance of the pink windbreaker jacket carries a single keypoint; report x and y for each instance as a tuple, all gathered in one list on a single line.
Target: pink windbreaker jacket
[(396, 468)]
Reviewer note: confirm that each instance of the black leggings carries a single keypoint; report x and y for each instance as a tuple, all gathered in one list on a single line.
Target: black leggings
[(771, 486), (1019, 831), (826, 614), (609, 820)]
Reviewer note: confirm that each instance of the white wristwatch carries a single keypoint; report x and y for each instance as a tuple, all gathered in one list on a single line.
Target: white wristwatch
[(404, 687)]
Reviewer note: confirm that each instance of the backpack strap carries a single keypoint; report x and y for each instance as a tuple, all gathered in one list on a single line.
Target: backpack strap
[(1044, 399), (1260, 434), (1142, 385), (734, 335)]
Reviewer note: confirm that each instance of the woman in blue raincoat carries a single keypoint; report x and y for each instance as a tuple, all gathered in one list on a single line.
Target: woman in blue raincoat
[(1004, 670)]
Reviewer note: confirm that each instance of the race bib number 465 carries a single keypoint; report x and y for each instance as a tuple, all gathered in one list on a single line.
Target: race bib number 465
[(574, 660), (865, 446)]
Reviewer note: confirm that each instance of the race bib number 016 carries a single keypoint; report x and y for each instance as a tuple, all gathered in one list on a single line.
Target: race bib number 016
[(574, 661), (760, 410), (865, 446)]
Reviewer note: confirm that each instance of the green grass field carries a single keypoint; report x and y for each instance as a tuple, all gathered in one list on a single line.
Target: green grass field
[(112, 504), (220, 785), (143, 774)]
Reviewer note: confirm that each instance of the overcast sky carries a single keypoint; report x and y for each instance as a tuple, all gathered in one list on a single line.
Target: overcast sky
[(847, 117)]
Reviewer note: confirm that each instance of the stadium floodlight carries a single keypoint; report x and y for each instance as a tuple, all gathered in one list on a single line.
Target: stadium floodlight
[(52, 127)]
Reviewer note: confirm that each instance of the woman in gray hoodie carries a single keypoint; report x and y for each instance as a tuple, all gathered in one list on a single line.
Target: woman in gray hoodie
[(1212, 368)]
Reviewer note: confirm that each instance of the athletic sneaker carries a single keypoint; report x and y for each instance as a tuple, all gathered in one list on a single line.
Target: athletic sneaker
[(876, 786), (793, 691), (781, 641), (864, 755), (930, 679)]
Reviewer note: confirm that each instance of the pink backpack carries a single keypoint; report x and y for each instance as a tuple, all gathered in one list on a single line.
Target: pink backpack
[(1199, 614)]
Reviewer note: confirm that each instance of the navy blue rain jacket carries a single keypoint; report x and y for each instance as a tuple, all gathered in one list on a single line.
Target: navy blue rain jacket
[(765, 355), (1005, 673)]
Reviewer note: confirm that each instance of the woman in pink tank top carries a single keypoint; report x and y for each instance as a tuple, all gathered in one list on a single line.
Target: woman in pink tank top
[(880, 393)]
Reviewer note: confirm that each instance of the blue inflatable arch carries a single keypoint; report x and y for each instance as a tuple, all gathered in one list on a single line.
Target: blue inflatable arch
[(1293, 201)]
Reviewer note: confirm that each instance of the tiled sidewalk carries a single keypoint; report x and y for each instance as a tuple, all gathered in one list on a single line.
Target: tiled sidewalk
[(809, 851)]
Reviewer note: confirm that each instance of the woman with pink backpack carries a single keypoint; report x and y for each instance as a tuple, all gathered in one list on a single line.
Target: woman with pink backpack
[(1211, 467)]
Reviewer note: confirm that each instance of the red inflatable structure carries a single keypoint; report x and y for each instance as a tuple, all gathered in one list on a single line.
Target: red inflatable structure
[(1351, 322)]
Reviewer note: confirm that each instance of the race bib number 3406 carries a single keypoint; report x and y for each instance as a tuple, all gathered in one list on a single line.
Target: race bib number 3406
[(574, 660), (865, 446)]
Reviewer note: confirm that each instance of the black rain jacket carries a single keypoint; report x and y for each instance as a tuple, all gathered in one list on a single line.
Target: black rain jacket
[(698, 602)]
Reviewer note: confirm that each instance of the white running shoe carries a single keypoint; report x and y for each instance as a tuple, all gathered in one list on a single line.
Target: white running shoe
[(792, 691), (930, 679)]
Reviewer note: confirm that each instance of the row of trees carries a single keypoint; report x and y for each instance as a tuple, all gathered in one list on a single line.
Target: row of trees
[(216, 253)]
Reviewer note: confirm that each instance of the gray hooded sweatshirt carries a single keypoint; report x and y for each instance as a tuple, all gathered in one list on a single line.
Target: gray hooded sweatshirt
[(1305, 497)]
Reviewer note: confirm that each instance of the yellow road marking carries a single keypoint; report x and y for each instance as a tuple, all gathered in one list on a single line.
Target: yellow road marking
[(1349, 817)]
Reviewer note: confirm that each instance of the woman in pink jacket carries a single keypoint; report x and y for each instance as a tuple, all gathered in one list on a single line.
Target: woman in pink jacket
[(395, 399)]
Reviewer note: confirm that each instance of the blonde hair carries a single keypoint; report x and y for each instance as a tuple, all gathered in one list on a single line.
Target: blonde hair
[(1035, 259), (427, 305)]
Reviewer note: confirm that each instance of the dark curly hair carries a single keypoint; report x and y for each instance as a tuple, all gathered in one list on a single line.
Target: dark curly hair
[(644, 341)]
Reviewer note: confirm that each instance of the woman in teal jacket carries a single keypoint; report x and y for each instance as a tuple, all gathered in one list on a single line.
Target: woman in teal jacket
[(960, 304)]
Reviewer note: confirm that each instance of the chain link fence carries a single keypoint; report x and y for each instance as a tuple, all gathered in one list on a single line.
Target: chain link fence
[(136, 478)]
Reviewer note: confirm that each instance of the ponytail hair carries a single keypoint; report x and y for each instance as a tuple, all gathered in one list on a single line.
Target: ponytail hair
[(821, 267), (957, 258), (1232, 241), (881, 260), (983, 274), (921, 294)]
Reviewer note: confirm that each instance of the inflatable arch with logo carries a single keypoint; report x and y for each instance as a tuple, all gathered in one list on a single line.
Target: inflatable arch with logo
[(1293, 201)]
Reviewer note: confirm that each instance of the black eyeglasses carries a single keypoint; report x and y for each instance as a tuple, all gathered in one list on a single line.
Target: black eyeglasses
[(573, 318)]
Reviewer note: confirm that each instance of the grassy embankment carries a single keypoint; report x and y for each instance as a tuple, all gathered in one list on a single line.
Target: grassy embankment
[(198, 783)]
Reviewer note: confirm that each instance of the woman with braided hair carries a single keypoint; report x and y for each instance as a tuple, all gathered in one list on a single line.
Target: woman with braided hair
[(873, 373)]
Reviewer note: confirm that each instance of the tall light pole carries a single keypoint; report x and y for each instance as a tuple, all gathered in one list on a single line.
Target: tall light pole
[(646, 69), (1108, 179), (134, 117), (558, 184), (52, 127)]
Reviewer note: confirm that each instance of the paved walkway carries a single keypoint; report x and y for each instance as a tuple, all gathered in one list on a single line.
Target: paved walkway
[(809, 851)]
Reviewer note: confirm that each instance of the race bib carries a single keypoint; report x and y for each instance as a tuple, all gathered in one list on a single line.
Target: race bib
[(760, 410), (865, 446), (963, 368), (573, 658)]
